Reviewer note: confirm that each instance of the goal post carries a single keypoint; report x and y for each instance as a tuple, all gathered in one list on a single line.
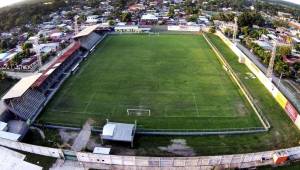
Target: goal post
[(139, 112)]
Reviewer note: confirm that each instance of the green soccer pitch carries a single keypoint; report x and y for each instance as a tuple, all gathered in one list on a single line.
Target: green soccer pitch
[(177, 77)]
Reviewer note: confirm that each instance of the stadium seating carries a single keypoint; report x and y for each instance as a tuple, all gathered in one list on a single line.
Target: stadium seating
[(29, 104), (89, 41)]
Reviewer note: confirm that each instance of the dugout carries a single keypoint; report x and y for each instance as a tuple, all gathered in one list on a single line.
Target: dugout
[(120, 132)]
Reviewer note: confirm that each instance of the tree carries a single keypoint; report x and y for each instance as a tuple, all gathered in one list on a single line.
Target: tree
[(297, 47), (245, 30), (284, 50), (26, 46), (280, 23), (255, 34), (282, 67), (212, 29), (228, 32), (111, 22), (2, 75), (171, 12), (126, 17), (193, 18), (224, 17), (250, 18)]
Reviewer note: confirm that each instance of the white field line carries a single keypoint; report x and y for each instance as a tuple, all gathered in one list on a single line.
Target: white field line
[(266, 124), (196, 104), (175, 116), (90, 101)]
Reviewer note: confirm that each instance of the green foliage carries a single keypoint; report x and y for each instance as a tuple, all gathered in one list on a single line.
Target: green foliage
[(26, 46), (250, 18), (212, 29), (28, 13), (190, 7), (281, 67), (274, 8), (245, 30), (228, 32), (126, 17), (255, 34), (227, 17), (171, 12), (297, 47), (111, 22), (8, 43), (2, 75), (192, 18), (17, 59), (280, 23), (284, 50), (265, 56)]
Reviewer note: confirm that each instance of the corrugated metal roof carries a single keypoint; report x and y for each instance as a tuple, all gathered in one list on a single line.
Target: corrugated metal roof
[(3, 126), (15, 161), (21, 87), (120, 132), (101, 150), (86, 31), (70, 50), (9, 136)]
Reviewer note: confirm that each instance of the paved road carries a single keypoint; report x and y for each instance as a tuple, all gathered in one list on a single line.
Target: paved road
[(291, 94)]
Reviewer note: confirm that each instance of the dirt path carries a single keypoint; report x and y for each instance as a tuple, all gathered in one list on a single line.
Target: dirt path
[(83, 137), (179, 147)]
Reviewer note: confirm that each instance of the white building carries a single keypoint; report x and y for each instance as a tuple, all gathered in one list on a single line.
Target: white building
[(93, 19), (127, 28), (149, 17)]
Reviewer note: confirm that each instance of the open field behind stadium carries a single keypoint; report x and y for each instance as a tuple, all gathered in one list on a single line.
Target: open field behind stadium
[(177, 77)]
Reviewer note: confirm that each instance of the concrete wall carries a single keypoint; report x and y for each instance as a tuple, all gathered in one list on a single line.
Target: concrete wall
[(40, 150), (223, 161), (277, 94)]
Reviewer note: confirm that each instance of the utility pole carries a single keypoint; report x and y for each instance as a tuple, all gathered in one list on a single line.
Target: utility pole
[(38, 53), (236, 27), (272, 61), (76, 24)]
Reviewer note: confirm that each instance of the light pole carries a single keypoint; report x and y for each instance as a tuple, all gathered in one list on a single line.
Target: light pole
[(279, 82), (236, 27), (272, 60)]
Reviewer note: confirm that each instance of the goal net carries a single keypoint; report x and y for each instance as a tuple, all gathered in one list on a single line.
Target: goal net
[(138, 112)]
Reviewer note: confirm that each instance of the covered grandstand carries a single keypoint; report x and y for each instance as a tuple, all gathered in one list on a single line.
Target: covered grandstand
[(91, 36), (31, 94), (28, 97)]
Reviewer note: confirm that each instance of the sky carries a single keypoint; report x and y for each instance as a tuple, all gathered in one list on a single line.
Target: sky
[(8, 2), (294, 1)]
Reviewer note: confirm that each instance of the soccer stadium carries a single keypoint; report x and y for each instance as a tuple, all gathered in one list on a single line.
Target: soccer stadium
[(155, 81), (168, 84)]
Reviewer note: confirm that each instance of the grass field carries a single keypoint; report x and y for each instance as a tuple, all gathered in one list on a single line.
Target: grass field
[(283, 133), (177, 77)]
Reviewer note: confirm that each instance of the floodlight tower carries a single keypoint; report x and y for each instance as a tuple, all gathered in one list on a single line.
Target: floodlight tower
[(76, 24), (236, 27), (38, 53), (272, 60)]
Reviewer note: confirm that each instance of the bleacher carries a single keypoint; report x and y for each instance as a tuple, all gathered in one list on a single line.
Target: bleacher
[(28, 105), (88, 42), (29, 96)]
